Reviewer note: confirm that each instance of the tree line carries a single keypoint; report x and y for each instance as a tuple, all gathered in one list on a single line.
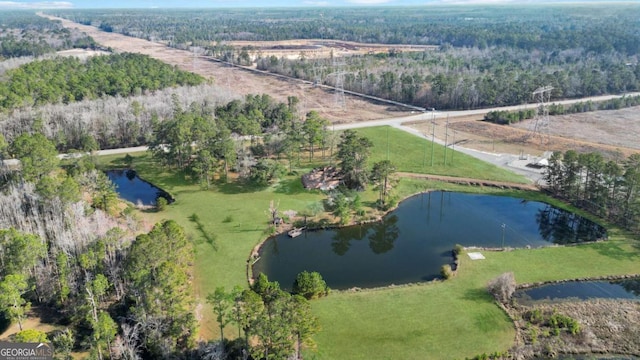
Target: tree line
[(466, 78), (70, 79), (23, 34), (609, 189), (510, 117), (108, 122), (523, 27), (272, 323)]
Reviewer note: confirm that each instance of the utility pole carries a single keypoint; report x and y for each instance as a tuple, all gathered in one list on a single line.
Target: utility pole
[(388, 142), (453, 146), (433, 136), (446, 139), (424, 159)]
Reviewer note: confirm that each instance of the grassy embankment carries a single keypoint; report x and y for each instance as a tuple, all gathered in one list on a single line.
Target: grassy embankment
[(419, 321)]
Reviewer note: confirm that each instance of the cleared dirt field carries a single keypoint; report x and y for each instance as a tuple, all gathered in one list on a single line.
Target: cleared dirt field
[(619, 128), (615, 133), (320, 49)]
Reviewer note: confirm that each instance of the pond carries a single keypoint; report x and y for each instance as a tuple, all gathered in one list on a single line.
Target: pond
[(412, 242), (628, 289), (131, 188)]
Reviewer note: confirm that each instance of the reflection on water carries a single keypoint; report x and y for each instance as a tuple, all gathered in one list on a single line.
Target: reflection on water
[(384, 233), (623, 289), (562, 227), (411, 243), (131, 188)]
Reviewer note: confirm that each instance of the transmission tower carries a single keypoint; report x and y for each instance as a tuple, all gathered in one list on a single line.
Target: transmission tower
[(197, 51), (318, 69), (543, 96), (338, 71)]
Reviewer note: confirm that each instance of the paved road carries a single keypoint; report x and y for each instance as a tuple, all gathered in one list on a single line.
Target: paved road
[(440, 115), (508, 161)]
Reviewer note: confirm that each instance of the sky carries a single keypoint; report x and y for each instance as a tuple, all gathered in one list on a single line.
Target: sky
[(36, 4)]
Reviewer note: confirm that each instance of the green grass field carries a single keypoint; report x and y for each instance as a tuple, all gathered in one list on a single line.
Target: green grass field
[(410, 153), (456, 318), (445, 320)]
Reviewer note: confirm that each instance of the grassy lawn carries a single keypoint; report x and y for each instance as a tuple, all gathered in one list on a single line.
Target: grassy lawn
[(410, 153), (453, 319), (411, 322)]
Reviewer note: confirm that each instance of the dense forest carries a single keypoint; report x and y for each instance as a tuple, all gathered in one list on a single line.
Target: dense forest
[(464, 78), (110, 121), (22, 33), (595, 28), (70, 79)]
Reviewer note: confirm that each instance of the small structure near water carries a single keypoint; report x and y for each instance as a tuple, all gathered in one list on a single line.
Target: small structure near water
[(326, 178), (295, 232)]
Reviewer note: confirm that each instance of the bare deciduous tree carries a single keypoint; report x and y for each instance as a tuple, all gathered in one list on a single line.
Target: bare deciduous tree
[(503, 287)]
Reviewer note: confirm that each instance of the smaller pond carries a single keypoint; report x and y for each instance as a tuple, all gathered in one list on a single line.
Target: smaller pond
[(620, 289), (131, 188)]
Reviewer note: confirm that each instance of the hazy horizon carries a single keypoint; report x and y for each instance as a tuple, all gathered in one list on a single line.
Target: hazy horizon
[(168, 4)]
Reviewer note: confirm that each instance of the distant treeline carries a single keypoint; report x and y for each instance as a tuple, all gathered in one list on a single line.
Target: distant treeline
[(469, 78), (489, 56), (70, 79), (510, 117), (26, 34), (595, 28)]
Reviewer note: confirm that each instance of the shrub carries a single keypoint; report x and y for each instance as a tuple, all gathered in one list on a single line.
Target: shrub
[(161, 204), (31, 336), (310, 285), (535, 316), (560, 322), (128, 160), (502, 287), (457, 250), (446, 272), (228, 219)]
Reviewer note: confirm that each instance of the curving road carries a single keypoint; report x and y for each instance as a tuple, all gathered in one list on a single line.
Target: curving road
[(509, 161)]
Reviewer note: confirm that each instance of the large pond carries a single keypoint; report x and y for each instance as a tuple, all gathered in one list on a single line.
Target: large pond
[(413, 242), (628, 289), (131, 188)]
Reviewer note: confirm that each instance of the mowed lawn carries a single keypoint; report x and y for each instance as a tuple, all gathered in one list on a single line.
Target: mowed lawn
[(456, 318), (410, 153), (447, 320)]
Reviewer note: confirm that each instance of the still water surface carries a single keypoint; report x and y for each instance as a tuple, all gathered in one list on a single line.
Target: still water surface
[(415, 240), (131, 188), (628, 289)]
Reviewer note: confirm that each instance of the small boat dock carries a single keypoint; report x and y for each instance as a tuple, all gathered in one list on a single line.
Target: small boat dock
[(295, 232)]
